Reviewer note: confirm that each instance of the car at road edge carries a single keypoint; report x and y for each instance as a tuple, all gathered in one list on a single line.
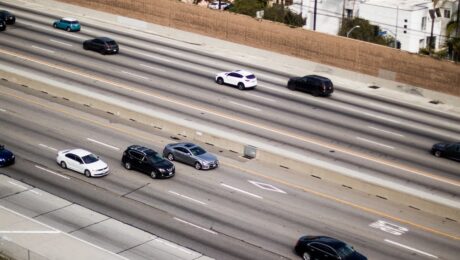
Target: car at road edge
[(82, 161)]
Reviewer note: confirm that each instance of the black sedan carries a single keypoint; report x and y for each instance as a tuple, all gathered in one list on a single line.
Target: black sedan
[(448, 150), (6, 156), (8, 17), (102, 45), (322, 247)]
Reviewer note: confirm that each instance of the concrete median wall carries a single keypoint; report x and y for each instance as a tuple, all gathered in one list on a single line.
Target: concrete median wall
[(358, 56)]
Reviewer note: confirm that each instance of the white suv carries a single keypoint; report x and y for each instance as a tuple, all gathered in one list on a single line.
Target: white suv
[(241, 78)]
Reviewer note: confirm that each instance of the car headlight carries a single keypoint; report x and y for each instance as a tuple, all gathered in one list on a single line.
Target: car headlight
[(1, 159), (162, 170)]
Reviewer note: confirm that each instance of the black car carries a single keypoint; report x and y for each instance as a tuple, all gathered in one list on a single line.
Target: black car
[(313, 84), (102, 45), (322, 248), (2, 25), (6, 156), (148, 161), (8, 17), (448, 150)]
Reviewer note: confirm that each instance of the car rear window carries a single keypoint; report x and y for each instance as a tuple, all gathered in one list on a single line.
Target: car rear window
[(328, 84), (74, 22), (251, 76), (112, 43)]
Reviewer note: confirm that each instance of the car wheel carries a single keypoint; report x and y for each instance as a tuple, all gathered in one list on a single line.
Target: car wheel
[(153, 175), (240, 86), (220, 81), (67, 29), (127, 166), (54, 25), (171, 157), (87, 173), (437, 153), (63, 165), (306, 256), (85, 46), (198, 166)]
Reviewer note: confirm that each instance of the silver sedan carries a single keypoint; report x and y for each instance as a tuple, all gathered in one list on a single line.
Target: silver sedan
[(191, 154)]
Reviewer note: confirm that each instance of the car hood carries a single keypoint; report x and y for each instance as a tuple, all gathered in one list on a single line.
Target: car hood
[(5, 154), (207, 157), (97, 165), (164, 164), (440, 146)]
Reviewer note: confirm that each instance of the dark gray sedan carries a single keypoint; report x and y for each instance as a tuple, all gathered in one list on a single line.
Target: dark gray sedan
[(191, 154)]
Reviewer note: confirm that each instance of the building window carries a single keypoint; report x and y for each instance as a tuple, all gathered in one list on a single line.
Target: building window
[(349, 13), (446, 13), (423, 23)]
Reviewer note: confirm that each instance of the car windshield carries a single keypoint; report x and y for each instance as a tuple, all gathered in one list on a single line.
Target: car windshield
[(197, 150), (154, 157), (111, 43), (90, 158), (74, 22), (251, 76), (345, 251)]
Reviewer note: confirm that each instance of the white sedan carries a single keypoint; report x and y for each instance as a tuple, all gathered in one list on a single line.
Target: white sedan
[(82, 161), (241, 78)]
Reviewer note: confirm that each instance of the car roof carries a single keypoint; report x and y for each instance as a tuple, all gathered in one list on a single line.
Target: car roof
[(332, 242), (243, 72), (79, 152), (104, 39), (317, 77), (69, 19), (141, 148)]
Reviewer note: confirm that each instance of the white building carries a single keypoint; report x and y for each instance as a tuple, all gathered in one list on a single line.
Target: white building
[(409, 21)]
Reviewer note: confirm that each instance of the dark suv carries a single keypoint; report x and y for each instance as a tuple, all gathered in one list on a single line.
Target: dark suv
[(102, 45), (8, 17), (313, 84), (148, 161), (448, 150)]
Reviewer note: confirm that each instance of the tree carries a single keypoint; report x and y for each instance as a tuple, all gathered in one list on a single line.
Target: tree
[(366, 31), (248, 7), (453, 38), (281, 14)]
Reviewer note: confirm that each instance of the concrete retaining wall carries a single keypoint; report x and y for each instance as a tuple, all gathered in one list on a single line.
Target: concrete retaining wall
[(358, 56)]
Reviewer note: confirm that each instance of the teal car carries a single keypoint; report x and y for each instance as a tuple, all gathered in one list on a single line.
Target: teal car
[(68, 24)]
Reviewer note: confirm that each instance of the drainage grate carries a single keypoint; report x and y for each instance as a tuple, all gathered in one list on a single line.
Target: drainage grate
[(435, 102), (374, 87)]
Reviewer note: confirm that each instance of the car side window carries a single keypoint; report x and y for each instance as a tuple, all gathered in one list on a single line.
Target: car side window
[(71, 156), (136, 155), (180, 149), (78, 159), (324, 248)]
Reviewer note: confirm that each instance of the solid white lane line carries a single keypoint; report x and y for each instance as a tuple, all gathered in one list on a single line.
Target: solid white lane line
[(43, 49), (410, 248), (193, 225), (64, 233), (373, 142), (48, 147), (385, 131), (30, 232), (134, 75), (243, 105), (101, 143), (257, 96), (34, 191), (186, 197), (153, 68), (55, 173), (149, 55), (18, 185), (242, 191), (63, 43)]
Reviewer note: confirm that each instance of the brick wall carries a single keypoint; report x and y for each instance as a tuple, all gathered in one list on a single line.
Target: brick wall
[(371, 59)]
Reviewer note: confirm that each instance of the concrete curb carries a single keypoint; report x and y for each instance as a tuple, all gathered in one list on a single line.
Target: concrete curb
[(412, 197)]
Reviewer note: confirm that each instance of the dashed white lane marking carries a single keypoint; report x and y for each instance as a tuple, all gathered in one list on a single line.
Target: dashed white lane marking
[(149, 55), (153, 68), (43, 49), (64, 233), (193, 225), (385, 131), (63, 43), (2, 110), (410, 248), (266, 186), (30, 232), (243, 105), (18, 185), (257, 96), (242, 191), (186, 197), (55, 173), (104, 144), (48, 147), (134, 75), (373, 142)]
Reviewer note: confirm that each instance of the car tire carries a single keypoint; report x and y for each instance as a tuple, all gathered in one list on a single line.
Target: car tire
[(67, 29), (127, 165), (306, 256), (437, 153), (87, 173), (240, 86), (198, 166), (85, 47), (220, 81), (153, 174), (54, 25), (63, 165), (170, 157)]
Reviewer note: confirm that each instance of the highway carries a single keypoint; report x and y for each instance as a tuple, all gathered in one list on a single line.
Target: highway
[(223, 213)]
